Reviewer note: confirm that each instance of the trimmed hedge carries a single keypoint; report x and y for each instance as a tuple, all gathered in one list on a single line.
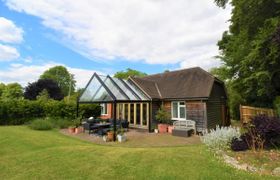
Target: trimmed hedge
[(16, 112)]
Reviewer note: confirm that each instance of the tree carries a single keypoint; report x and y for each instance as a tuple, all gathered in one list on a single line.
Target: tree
[(62, 77), (2, 87), (129, 72), (12, 91), (250, 51), (41, 88)]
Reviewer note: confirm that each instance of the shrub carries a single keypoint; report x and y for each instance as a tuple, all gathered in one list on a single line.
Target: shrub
[(162, 116), (221, 137), (61, 123), (262, 132), (20, 111), (41, 124), (239, 144)]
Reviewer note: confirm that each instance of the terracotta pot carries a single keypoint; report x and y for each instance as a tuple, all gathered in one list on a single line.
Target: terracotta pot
[(162, 128), (110, 136), (170, 128), (79, 130), (71, 130)]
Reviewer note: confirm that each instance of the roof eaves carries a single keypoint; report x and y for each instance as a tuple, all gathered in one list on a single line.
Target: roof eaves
[(131, 78)]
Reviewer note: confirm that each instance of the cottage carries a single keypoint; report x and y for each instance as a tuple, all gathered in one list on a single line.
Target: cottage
[(187, 94)]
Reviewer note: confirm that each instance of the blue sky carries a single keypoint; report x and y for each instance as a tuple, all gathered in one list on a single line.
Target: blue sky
[(105, 38)]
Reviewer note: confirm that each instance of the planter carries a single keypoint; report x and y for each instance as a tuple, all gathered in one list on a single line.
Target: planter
[(79, 130), (121, 138), (162, 128), (110, 136), (170, 128), (71, 130), (156, 131)]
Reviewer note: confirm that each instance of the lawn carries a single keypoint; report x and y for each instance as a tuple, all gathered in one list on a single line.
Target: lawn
[(30, 154)]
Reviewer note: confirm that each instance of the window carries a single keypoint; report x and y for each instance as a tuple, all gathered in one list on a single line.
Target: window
[(178, 110), (104, 109)]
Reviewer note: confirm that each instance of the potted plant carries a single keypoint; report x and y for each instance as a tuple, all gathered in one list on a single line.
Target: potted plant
[(121, 136), (163, 117), (71, 129), (78, 128), (110, 135), (170, 128)]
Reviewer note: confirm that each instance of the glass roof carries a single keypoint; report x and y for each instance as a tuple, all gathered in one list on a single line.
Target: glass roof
[(108, 89)]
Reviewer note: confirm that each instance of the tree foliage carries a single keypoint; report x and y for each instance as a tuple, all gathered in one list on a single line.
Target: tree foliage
[(129, 72), (64, 79), (11, 91), (39, 88), (250, 52)]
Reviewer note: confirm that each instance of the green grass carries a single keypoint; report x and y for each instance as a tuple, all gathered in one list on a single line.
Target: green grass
[(30, 154)]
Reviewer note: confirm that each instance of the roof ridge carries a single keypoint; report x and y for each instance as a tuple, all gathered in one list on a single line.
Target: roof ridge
[(159, 93), (170, 72)]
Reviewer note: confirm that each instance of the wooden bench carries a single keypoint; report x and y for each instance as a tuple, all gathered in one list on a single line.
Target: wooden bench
[(184, 128)]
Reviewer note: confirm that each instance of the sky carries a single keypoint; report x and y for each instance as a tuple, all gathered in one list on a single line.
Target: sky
[(106, 36)]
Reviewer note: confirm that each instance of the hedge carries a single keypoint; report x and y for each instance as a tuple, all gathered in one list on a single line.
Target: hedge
[(16, 112)]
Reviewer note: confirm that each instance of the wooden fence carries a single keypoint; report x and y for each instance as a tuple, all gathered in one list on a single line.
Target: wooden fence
[(247, 112)]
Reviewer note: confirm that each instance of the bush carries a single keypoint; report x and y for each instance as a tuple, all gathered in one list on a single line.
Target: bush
[(41, 124), (61, 123), (163, 116), (16, 112), (262, 132), (220, 138), (239, 144)]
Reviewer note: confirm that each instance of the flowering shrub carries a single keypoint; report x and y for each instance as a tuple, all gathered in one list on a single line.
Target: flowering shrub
[(220, 138), (262, 132)]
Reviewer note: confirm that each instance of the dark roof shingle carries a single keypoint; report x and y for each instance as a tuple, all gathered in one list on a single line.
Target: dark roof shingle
[(186, 83)]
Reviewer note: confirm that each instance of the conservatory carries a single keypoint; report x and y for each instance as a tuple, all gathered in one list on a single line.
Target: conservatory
[(125, 99)]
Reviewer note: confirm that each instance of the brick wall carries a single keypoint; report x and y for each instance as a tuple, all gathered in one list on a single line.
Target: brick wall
[(109, 112)]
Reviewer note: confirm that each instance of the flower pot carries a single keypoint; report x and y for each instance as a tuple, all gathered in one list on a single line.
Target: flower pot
[(121, 138), (79, 130), (156, 131), (170, 128), (71, 130), (162, 128), (110, 136)]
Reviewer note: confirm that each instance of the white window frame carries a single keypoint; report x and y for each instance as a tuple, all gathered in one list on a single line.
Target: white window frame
[(178, 110), (104, 106)]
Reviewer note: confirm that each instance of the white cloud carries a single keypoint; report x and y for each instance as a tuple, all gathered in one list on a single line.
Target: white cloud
[(9, 32), (8, 53), (29, 73), (154, 31)]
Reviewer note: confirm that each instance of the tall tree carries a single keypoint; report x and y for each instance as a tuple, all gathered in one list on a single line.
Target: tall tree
[(129, 72), (250, 50), (2, 87), (41, 88), (64, 79), (12, 91)]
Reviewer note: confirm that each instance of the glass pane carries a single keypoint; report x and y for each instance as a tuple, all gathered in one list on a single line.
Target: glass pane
[(95, 92), (113, 88), (182, 103), (144, 114), (182, 112), (125, 89), (126, 111), (132, 113), (136, 90), (138, 113), (175, 109)]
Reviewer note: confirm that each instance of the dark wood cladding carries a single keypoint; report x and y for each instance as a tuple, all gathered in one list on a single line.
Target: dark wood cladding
[(197, 111), (215, 105)]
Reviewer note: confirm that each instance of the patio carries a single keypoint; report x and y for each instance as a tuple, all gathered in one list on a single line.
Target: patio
[(140, 138)]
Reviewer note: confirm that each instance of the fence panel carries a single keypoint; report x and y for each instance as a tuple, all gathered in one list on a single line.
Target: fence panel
[(247, 112)]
